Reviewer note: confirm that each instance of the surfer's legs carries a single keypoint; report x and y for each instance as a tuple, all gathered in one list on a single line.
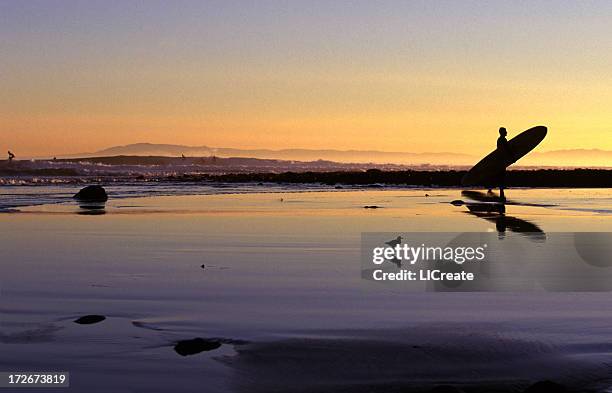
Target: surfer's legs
[(502, 186)]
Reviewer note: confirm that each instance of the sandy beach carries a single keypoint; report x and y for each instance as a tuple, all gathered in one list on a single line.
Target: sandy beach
[(275, 280)]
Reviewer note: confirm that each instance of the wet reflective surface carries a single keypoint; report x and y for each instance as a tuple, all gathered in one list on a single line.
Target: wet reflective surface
[(282, 288)]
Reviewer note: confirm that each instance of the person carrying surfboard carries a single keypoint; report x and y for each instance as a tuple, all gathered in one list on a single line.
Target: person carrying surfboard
[(491, 170), (502, 146)]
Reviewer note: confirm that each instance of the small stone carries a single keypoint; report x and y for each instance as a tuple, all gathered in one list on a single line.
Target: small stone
[(92, 194), (195, 346), (446, 389), (546, 387), (90, 319)]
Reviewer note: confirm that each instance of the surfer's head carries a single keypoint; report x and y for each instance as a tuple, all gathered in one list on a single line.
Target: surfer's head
[(502, 131)]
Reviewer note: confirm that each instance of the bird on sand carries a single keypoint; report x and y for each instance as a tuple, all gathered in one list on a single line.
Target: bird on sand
[(394, 242)]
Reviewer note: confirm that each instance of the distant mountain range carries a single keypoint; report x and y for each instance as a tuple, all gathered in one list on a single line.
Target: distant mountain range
[(574, 157), (341, 156), (571, 157)]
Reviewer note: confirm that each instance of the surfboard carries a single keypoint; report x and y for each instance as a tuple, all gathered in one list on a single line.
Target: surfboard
[(485, 172)]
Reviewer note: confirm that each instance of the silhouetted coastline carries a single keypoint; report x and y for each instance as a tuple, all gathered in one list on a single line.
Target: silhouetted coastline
[(578, 178)]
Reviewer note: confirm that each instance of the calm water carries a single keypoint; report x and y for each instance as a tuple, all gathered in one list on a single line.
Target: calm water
[(30, 193), (282, 272)]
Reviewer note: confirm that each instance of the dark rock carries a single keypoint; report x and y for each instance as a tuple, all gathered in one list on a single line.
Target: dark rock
[(89, 319), (546, 387), (92, 193), (446, 389), (457, 202), (580, 178), (196, 345), (371, 207)]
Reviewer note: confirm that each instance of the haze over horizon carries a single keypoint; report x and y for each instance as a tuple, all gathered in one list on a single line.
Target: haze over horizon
[(559, 158), (387, 76)]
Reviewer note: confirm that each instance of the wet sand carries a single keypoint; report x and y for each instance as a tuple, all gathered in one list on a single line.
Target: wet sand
[(281, 293)]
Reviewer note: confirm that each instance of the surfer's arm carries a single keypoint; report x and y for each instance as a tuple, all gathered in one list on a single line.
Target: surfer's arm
[(510, 154), (504, 148)]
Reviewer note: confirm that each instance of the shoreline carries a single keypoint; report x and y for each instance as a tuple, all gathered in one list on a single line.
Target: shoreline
[(23, 192), (263, 191)]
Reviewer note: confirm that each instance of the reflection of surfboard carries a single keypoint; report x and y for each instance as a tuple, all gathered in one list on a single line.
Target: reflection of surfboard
[(494, 198), (482, 197), (493, 164), (486, 208), (505, 223)]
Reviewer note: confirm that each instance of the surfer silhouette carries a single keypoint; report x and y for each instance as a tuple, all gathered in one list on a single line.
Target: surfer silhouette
[(10, 156), (502, 146)]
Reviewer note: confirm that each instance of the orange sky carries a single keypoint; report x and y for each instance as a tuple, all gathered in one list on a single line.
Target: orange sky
[(416, 78)]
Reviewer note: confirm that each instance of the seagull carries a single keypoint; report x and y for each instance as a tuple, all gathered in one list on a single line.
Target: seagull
[(394, 242)]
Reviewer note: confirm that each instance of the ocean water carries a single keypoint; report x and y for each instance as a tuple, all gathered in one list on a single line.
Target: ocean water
[(24, 183), (275, 278), (29, 192)]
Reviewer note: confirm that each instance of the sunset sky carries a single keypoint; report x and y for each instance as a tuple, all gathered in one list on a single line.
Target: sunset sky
[(416, 76)]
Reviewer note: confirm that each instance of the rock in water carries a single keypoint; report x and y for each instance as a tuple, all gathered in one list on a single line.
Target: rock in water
[(546, 387), (92, 193), (197, 345), (446, 389), (89, 319)]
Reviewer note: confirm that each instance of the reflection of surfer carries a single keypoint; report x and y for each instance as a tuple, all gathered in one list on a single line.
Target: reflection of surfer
[(502, 146), (10, 156), (500, 225)]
